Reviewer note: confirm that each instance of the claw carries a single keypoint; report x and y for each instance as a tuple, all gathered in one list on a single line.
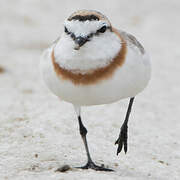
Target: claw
[(125, 146), (122, 140), (120, 145), (92, 165)]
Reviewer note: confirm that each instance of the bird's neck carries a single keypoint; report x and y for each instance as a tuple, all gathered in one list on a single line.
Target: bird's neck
[(97, 53)]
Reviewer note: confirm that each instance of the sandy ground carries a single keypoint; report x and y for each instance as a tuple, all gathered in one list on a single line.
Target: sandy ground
[(39, 133)]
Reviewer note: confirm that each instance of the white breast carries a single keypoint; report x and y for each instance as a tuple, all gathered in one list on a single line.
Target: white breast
[(127, 81), (94, 54)]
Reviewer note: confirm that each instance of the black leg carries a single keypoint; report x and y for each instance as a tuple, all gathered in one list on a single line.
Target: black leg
[(90, 164), (122, 140)]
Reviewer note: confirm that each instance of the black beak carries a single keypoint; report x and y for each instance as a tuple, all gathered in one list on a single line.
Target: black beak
[(80, 41)]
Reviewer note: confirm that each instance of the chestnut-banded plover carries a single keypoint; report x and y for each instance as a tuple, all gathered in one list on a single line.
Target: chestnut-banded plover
[(93, 63)]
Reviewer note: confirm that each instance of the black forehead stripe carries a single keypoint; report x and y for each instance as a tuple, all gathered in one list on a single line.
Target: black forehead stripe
[(84, 18)]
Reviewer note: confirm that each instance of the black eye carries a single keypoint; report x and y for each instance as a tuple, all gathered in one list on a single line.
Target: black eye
[(65, 30), (90, 35), (72, 36), (103, 29)]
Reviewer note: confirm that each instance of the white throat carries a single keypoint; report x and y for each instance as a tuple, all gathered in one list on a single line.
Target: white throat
[(96, 53)]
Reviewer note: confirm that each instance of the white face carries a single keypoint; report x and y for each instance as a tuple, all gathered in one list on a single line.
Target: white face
[(84, 28), (98, 51)]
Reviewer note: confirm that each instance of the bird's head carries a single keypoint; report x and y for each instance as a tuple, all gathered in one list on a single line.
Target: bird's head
[(88, 42), (82, 26)]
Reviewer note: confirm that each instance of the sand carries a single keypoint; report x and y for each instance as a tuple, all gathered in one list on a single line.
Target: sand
[(39, 133)]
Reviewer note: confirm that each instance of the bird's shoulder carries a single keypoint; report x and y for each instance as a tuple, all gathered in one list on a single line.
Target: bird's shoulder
[(131, 41), (47, 52)]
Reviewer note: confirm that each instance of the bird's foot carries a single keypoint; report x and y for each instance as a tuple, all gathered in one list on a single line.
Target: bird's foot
[(92, 165), (122, 140)]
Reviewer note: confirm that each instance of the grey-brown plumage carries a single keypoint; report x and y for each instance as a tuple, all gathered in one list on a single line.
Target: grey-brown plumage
[(132, 41)]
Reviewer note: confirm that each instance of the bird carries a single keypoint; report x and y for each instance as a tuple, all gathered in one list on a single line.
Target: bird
[(94, 63)]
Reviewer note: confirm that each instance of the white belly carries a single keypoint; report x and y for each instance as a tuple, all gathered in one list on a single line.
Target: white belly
[(127, 81)]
